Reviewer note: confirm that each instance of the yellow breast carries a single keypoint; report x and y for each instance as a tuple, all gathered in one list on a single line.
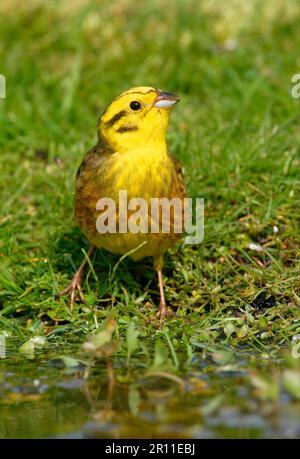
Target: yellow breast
[(140, 172), (143, 175)]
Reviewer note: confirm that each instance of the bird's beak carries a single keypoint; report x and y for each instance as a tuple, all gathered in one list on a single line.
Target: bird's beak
[(165, 99)]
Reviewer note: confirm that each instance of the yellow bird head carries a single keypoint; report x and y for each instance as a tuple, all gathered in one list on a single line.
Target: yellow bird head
[(138, 117)]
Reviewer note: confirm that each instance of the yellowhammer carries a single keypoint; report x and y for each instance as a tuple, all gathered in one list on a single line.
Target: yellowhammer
[(131, 155)]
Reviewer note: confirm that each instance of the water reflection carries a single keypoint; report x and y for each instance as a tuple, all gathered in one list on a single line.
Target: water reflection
[(43, 398)]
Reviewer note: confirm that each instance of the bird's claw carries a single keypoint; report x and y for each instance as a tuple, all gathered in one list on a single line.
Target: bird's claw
[(74, 285), (161, 313)]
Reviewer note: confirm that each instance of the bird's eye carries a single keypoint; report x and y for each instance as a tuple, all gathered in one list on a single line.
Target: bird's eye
[(135, 105)]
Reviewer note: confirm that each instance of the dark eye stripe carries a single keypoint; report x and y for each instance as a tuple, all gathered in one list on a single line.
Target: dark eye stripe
[(115, 118), (127, 128)]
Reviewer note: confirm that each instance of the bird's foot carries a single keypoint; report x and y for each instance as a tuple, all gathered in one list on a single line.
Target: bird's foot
[(75, 285), (161, 314)]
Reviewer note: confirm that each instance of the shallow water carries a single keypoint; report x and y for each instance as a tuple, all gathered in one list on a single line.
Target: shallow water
[(45, 397)]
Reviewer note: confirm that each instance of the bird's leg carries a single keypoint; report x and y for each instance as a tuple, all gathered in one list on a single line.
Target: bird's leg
[(75, 284), (162, 305), (162, 312)]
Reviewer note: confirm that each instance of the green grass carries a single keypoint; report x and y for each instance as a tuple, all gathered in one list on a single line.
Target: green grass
[(235, 130)]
